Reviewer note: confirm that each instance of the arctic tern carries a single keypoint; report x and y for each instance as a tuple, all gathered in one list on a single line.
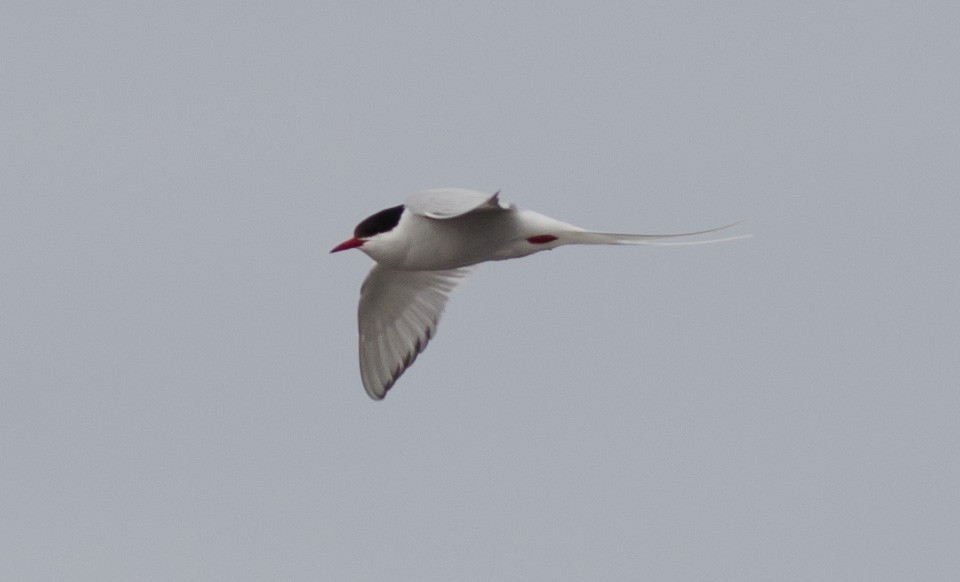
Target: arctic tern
[(425, 247)]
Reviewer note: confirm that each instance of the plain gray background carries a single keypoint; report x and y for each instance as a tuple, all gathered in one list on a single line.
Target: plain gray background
[(180, 396)]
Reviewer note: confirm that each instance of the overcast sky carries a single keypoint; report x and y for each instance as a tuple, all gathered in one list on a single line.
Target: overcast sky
[(179, 392)]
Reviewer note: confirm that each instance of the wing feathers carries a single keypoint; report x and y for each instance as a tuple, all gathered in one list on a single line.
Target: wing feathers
[(443, 203), (398, 315)]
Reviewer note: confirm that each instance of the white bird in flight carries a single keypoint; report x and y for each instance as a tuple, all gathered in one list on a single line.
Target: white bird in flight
[(425, 247)]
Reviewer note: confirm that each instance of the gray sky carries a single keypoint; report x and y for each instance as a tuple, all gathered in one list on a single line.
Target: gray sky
[(179, 392)]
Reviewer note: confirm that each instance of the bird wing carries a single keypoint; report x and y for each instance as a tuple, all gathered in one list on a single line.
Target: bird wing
[(399, 313), (442, 203)]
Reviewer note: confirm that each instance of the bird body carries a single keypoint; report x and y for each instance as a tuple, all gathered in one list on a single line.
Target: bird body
[(424, 248), (489, 231)]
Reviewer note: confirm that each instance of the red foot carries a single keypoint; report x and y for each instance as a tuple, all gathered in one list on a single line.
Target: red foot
[(541, 239)]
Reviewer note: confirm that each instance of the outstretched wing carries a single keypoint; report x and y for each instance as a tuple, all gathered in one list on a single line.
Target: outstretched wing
[(441, 203), (399, 313)]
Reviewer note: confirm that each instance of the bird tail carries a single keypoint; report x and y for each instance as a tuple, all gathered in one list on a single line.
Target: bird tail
[(587, 237)]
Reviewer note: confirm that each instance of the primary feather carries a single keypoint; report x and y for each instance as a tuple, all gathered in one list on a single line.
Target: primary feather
[(398, 315), (443, 203)]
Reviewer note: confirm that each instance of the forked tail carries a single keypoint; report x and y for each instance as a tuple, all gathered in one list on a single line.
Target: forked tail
[(586, 237)]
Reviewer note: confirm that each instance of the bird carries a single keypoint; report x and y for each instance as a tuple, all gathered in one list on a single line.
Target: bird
[(424, 248)]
